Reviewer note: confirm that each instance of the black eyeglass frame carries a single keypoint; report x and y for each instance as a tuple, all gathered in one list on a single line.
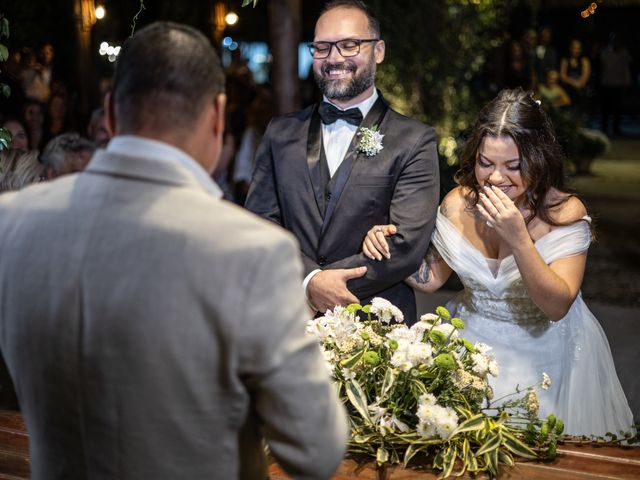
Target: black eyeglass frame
[(357, 41)]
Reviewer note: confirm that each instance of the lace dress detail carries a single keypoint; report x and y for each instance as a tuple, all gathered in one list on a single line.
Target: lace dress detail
[(574, 351)]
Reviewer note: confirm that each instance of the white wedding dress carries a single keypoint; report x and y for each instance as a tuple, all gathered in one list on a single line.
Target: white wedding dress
[(585, 391)]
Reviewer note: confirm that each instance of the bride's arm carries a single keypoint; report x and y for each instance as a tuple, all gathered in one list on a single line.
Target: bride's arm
[(552, 287), (433, 271)]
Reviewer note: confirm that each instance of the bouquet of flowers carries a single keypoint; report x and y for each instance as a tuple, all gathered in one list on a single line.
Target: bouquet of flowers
[(423, 390)]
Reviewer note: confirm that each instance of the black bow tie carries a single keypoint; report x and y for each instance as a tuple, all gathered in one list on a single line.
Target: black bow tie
[(329, 114)]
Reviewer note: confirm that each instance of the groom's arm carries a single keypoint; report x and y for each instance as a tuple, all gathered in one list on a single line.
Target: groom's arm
[(262, 198), (413, 210)]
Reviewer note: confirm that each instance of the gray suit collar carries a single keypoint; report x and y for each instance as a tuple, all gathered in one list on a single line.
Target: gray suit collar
[(106, 163)]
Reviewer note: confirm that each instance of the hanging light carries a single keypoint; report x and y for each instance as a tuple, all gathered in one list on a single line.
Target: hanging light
[(100, 12)]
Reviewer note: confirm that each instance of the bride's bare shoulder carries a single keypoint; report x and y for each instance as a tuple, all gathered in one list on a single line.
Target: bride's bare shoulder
[(455, 202), (565, 208)]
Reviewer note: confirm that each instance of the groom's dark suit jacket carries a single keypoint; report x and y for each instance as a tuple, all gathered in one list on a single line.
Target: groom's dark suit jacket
[(330, 218)]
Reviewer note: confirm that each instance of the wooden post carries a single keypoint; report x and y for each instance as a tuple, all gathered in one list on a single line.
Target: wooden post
[(285, 32)]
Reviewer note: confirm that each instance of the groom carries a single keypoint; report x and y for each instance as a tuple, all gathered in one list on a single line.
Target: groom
[(330, 172)]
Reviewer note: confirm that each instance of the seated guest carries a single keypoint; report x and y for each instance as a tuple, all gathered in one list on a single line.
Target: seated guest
[(19, 138), (142, 342), (552, 93), (19, 169), (97, 128), (65, 154)]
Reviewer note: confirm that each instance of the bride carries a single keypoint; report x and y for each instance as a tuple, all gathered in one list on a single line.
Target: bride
[(518, 240)]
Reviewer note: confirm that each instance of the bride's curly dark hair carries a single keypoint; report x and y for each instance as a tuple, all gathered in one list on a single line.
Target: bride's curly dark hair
[(517, 114)]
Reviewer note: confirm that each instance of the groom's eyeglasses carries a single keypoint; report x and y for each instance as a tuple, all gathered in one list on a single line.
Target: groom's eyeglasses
[(349, 47)]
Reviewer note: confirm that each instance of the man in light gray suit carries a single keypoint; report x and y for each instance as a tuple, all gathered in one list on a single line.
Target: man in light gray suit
[(152, 330)]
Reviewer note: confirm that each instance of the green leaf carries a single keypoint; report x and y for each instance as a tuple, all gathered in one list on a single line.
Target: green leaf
[(5, 89), (365, 438), (506, 458), (559, 428), (352, 360), (493, 442), (382, 455), (4, 28), (358, 399), (469, 458), (388, 382), (492, 461), (474, 423), (5, 139), (517, 447), (449, 461), (4, 53)]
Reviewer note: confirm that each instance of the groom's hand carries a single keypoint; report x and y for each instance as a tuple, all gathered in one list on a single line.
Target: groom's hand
[(328, 288)]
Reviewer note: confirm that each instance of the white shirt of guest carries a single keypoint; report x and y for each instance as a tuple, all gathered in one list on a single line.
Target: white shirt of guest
[(337, 136), (135, 146)]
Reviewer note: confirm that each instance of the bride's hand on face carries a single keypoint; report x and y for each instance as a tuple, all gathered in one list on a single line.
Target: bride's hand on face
[(375, 245), (501, 214)]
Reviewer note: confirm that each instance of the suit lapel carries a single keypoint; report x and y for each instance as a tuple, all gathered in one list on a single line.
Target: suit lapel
[(314, 145), (340, 178)]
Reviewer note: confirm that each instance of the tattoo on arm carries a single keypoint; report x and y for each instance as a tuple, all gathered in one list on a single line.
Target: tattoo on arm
[(423, 275)]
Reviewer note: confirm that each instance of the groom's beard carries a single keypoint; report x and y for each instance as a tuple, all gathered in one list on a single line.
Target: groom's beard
[(345, 89)]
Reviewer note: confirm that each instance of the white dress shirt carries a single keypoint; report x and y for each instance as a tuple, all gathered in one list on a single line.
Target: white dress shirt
[(134, 146), (337, 136)]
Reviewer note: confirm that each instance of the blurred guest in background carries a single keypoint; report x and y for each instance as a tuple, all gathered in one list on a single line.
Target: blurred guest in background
[(33, 114), (97, 128), (575, 72), (65, 154), (19, 169), (19, 137), (546, 57), (615, 77), (519, 70), (552, 93)]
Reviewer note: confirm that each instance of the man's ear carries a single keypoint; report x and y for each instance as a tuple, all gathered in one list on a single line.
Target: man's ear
[(219, 107), (379, 51), (109, 111)]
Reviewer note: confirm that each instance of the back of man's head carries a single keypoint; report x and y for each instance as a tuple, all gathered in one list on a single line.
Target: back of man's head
[(163, 78), (66, 153)]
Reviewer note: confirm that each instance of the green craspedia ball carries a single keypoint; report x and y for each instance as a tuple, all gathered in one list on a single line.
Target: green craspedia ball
[(393, 344), (544, 431), (443, 312), (551, 420), (371, 357), (551, 451), (446, 361), (458, 323)]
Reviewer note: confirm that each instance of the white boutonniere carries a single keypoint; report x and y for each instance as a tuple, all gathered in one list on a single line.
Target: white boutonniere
[(370, 141)]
